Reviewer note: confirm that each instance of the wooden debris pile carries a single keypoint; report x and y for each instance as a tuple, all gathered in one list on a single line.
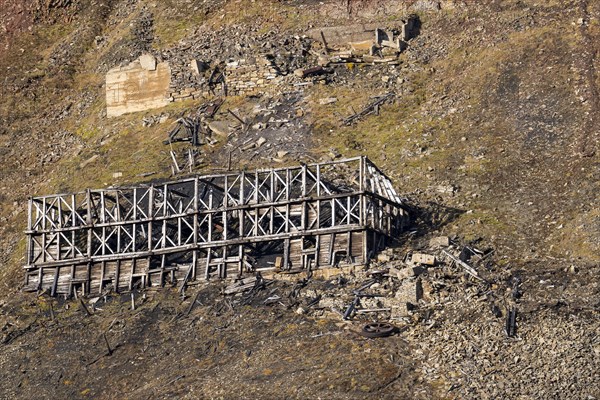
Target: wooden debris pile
[(399, 287), (195, 130), (271, 61), (371, 108)]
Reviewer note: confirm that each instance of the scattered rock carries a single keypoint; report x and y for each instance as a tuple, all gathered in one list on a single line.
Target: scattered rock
[(220, 128), (327, 100)]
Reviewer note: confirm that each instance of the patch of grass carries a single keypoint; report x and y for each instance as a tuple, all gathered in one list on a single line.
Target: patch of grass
[(132, 151), (400, 138), (577, 238), (270, 15), (12, 274), (170, 30), (119, 144), (480, 223)]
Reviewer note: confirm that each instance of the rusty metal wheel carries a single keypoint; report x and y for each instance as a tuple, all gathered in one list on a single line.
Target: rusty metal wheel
[(378, 329)]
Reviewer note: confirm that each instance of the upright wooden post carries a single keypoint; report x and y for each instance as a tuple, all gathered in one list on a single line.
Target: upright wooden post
[(117, 276), (90, 223), (207, 270), (286, 254), (29, 255), (194, 265)]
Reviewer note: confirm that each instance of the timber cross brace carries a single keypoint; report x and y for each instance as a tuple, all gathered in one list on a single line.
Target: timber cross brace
[(223, 225)]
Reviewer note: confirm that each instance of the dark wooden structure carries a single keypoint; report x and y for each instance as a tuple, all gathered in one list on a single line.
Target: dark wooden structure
[(222, 225)]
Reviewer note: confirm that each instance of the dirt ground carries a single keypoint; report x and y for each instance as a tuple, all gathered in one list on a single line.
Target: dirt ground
[(492, 139)]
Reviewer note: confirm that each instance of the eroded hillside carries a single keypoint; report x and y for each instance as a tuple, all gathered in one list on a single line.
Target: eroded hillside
[(492, 137)]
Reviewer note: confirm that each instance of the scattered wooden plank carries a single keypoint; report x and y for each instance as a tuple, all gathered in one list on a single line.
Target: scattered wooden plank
[(370, 108), (325, 48), (241, 286), (372, 310), (192, 304), (236, 117), (470, 270), (110, 351), (84, 307), (175, 164)]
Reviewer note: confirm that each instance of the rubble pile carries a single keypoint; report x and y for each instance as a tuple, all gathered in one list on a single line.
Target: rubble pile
[(204, 64), (274, 130), (197, 62), (268, 128), (397, 286), (477, 330), (401, 287)]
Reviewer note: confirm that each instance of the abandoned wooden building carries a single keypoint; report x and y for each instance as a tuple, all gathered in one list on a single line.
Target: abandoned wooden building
[(211, 226)]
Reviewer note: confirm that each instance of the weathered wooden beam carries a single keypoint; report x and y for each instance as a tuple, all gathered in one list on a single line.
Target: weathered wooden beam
[(284, 204)]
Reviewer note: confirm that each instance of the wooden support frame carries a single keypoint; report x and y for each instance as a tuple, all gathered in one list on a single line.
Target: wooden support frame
[(218, 215)]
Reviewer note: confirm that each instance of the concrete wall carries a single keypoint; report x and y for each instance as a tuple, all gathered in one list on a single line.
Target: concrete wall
[(139, 86)]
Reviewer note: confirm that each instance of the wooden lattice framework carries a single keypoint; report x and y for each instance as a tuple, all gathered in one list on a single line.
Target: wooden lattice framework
[(221, 225)]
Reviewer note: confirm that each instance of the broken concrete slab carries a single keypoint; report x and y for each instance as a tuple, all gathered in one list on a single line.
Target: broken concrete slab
[(407, 272), (439, 241), (363, 46), (410, 291), (342, 34), (406, 298), (220, 128), (261, 140), (421, 258), (148, 62), (390, 43), (327, 100)]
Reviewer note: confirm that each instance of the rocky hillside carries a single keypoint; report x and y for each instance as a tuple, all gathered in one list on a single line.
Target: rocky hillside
[(492, 136)]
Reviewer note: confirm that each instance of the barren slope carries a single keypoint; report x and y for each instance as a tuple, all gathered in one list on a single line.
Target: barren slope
[(493, 138)]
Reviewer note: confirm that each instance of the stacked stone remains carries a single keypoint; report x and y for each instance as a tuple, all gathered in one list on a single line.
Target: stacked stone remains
[(204, 65), (245, 76)]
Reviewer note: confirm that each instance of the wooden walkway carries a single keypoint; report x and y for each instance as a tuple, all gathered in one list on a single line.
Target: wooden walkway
[(222, 225)]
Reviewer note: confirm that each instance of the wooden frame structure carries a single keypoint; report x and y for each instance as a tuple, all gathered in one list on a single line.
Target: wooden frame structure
[(222, 225)]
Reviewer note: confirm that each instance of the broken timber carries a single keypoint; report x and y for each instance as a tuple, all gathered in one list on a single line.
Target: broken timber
[(211, 226), (371, 108)]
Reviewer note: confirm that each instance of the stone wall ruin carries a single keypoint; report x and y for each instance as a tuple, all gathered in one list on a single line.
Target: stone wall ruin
[(201, 69)]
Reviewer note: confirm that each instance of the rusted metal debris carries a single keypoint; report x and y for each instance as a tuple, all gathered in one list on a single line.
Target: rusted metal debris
[(378, 329), (305, 73)]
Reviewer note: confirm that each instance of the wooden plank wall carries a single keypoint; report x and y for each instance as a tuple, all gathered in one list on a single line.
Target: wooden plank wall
[(322, 251)]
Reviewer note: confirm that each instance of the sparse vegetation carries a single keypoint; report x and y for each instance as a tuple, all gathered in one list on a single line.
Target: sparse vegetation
[(492, 104)]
